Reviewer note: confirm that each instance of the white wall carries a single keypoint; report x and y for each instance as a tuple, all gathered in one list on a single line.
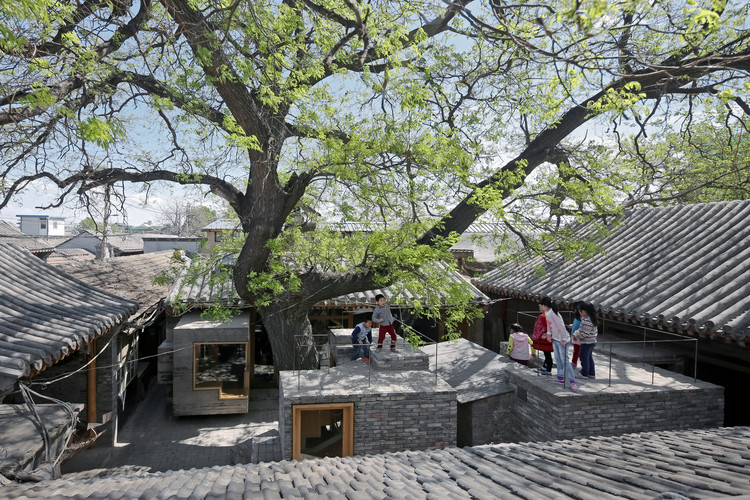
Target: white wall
[(42, 226)]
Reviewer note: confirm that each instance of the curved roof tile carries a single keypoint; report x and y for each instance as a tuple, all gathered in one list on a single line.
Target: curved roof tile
[(205, 288), (46, 314), (685, 267), (695, 463)]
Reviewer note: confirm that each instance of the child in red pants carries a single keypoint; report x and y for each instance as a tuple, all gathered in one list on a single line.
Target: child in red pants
[(382, 315)]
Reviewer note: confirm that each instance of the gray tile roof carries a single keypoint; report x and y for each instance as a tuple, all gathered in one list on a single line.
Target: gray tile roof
[(35, 244), (167, 237), (72, 252), (367, 298), (475, 372), (126, 243), (207, 289), (222, 224), (63, 255), (6, 228), (683, 267), (46, 314), (131, 276), (202, 289), (696, 464)]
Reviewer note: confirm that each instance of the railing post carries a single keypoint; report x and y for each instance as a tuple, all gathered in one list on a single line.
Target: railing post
[(296, 364), (436, 364), (653, 361), (695, 363)]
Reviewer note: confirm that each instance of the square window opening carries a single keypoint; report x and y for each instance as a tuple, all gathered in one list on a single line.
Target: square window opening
[(222, 367)]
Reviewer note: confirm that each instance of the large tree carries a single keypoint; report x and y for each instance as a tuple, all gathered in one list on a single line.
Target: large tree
[(389, 113)]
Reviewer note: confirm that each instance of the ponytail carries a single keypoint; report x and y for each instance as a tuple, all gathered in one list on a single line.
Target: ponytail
[(591, 311)]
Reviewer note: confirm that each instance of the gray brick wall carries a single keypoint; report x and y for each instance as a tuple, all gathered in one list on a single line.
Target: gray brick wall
[(383, 421), (190, 330), (489, 420), (542, 416)]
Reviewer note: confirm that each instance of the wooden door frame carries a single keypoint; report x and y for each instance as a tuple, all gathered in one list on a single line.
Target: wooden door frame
[(348, 426)]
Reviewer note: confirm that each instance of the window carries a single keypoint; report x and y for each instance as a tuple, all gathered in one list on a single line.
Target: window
[(42, 224), (323, 430), (222, 367)]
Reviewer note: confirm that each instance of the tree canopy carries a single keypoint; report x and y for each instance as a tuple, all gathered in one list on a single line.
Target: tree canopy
[(411, 118)]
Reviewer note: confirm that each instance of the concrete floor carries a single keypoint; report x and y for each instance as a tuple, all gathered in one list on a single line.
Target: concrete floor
[(152, 439)]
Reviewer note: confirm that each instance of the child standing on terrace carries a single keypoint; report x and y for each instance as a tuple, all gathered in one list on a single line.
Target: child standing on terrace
[(573, 327), (560, 342), (382, 315), (543, 342), (587, 333)]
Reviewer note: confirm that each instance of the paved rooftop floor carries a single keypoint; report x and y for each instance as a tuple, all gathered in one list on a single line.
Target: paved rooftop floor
[(153, 440)]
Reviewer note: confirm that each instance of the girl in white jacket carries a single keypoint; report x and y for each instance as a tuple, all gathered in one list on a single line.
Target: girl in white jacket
[(560, 342)]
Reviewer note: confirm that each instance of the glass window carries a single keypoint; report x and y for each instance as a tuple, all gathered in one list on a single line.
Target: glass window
[(323, 430), (222, 367), (42, 224)]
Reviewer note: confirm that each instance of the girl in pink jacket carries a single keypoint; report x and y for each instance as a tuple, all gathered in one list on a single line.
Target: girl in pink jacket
[(520, 347)]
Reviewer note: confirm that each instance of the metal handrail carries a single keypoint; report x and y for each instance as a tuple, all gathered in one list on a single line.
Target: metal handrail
[(644, 341), (298, 346)]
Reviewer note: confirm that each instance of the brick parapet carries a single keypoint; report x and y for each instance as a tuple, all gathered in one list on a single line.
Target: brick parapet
[(542, 415)]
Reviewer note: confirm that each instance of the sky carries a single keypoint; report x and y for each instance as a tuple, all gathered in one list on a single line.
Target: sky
[(138, 213)]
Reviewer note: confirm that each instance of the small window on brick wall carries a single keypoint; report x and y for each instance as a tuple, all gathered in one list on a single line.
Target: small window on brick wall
[(323, 430)]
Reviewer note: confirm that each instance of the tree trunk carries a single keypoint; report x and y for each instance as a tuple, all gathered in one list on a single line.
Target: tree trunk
[(290, 334)]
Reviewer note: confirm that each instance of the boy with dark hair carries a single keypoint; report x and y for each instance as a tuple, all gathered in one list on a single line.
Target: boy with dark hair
[(361, 340), (382, 315)]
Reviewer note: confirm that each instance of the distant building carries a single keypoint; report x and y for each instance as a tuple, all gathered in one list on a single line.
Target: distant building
[(42, 225), (117, 244), (160, 242), (220, 230)]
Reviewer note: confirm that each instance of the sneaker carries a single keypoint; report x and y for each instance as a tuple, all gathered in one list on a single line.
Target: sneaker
[(581, 376), (393, 349), (592, 376), (574, 387), (542, 371), (366, 360), (558, 380)]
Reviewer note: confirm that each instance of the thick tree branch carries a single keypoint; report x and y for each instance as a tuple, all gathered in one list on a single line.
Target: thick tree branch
[(654, 84), (88, 179)]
